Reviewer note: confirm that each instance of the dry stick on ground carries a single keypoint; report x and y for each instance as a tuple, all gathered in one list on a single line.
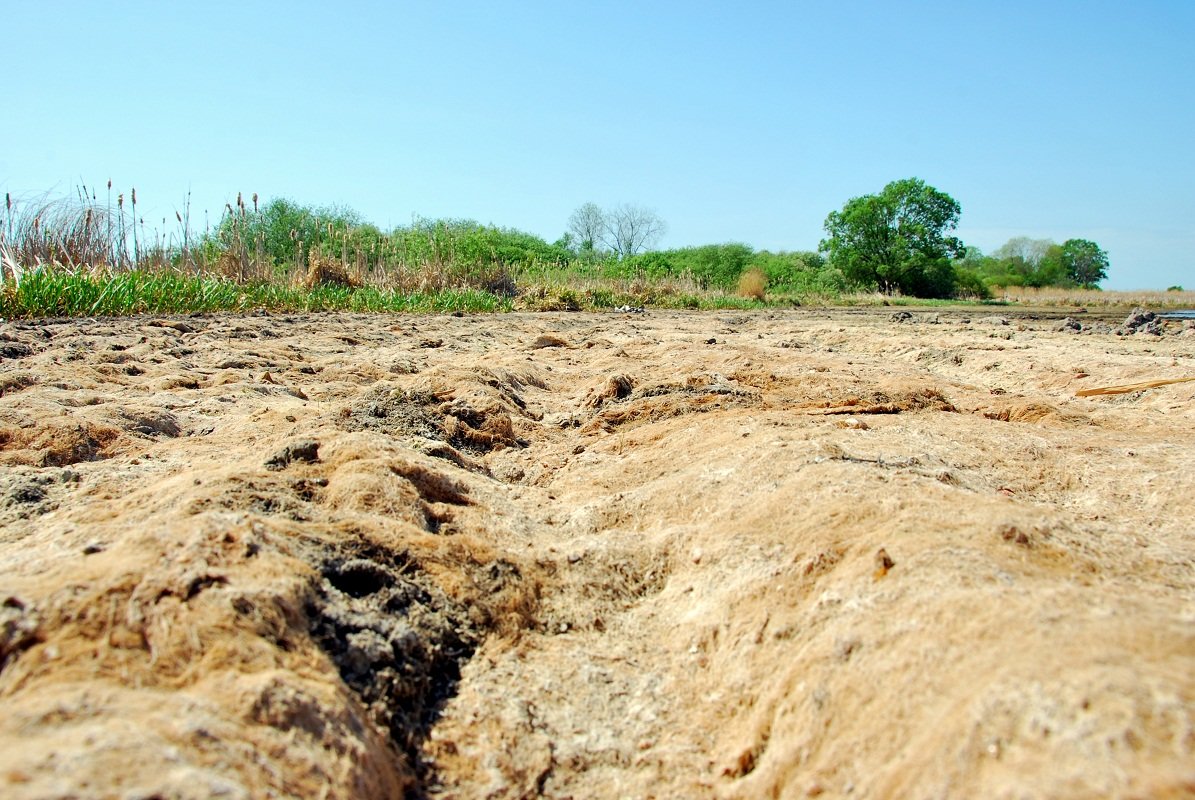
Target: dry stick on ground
[(1131, 387)]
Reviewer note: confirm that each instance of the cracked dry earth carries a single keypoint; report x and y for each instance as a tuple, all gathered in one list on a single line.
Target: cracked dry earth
[(674, 555)]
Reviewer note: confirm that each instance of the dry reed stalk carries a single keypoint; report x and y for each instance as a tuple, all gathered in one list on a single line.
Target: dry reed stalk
[(1131, 387)]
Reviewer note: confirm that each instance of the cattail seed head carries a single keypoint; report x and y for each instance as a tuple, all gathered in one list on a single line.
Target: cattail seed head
[(109, 184), (177, 216), (255, 202), (120, 200), (134, 195)]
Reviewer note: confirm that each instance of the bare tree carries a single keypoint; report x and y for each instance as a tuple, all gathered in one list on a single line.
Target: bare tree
[(1031, 251), (588, 227), (631, 229)]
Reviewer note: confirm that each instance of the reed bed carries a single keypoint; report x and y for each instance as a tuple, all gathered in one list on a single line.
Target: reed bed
[(1095, 298)]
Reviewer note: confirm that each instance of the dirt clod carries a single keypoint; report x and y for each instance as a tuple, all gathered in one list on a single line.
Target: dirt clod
[(304, 451)]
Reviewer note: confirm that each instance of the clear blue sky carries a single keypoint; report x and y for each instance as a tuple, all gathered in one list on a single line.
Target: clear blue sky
[(1043, 119)]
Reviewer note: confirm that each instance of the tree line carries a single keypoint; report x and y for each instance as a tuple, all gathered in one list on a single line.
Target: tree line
[(899, 240)]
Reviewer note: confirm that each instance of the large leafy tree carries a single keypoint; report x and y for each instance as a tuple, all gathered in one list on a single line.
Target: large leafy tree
[(1085, 262), (897, 239)]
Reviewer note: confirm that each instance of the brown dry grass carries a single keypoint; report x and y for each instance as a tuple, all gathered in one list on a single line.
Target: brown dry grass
[(328, 272), (753, 284), (1054, 296)]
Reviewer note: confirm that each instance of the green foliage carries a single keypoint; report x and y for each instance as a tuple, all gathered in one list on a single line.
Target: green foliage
[(1175, 288), (1019, 262), (970, 285), (466, 242), (711, 266), (897, 240), (1039, 263), (1085, 262), (285, 235), (799, 272)]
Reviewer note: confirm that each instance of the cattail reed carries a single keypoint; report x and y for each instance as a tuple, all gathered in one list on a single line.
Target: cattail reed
[(122, 252), (108, 217), (136, 245)]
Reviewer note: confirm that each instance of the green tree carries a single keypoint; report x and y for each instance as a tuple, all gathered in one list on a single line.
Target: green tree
[(1085, 262), (897, 239)]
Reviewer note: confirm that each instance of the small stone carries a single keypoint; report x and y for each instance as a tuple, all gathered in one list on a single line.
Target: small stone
[(884, 563)]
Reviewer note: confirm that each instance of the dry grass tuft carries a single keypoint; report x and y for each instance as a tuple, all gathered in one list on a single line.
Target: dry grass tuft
[(328, 272), (753, 284)]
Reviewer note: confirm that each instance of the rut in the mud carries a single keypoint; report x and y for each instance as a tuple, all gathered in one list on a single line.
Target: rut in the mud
[(397, 641)]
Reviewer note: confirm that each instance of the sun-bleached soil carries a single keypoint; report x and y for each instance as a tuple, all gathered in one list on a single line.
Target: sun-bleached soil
[(675, 554)]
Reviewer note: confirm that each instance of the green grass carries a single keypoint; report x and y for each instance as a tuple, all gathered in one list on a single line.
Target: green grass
[(59, 293), (63, 293)]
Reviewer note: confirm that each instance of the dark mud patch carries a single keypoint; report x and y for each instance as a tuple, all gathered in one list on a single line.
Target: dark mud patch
[(24, 495), (395, 412), (472, 425), (15, 382), (304, 451), (18, 629), (397, 640)]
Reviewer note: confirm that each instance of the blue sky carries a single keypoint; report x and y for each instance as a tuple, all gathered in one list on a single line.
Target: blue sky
[(1043, 119)]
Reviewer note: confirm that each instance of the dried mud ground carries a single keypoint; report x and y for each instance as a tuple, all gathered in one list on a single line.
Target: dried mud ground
[(775, 554)]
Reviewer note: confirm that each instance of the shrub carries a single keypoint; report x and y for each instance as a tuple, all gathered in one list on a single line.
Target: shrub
[(969, 285)]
